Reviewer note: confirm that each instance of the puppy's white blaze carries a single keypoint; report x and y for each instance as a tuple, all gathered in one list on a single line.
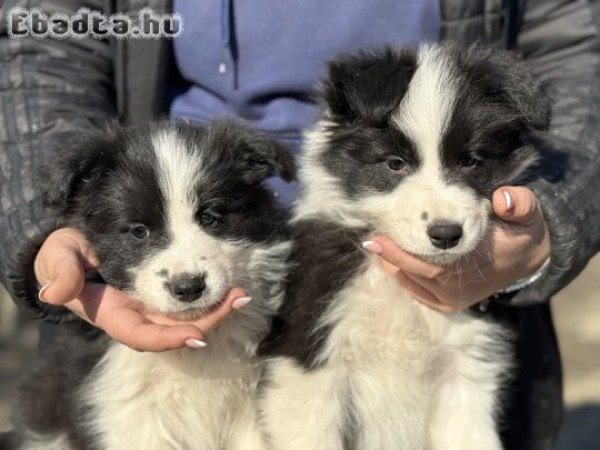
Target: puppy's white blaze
[(179, 168), (425, 111)]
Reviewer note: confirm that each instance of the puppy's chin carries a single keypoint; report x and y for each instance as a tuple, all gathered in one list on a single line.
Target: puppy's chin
[(435, 256), (176, 310), (443, 259)]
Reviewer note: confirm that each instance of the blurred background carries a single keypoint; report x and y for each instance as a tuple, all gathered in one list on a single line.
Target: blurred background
[(576, 314)]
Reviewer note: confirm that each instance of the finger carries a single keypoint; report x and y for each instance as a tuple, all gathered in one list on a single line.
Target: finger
[(515, 203), (394, 255), (134, 330), (214, 317), (230, 304), (111, 310)]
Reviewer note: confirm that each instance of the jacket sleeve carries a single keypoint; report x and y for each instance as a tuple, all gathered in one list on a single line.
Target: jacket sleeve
[(50, 89), (560, 41)]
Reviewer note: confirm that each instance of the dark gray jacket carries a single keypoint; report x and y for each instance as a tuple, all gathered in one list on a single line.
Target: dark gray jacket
[(51, 89)]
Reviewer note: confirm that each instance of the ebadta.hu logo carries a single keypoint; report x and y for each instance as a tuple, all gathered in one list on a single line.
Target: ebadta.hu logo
[(91, 23)]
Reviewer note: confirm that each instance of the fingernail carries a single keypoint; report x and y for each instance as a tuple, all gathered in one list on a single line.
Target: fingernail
[(373, 247), (241, 302), (508, 200), (195, 343), (42, 292)]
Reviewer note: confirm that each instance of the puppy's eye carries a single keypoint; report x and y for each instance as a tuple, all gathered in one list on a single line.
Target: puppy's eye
[(472, 161), (139, 231), (209, 218), (396, 164)]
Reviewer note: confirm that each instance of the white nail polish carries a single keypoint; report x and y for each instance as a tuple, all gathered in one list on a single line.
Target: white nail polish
[(372, 246), (508, 200), (195, 343), (241, 302), (42, 290)]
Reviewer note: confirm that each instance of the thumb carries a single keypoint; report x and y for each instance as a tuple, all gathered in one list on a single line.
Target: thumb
[(60, 267), (514, 204), (67, 280)]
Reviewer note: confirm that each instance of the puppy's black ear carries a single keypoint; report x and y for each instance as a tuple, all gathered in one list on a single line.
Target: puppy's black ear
[(253, 155), (262, 157), (81, 164), (506, 79), (368, 86)]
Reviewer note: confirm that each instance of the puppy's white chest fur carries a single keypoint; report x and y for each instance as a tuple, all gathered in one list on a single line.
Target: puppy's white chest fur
[(392, 374), (375, 322), (186, 399)]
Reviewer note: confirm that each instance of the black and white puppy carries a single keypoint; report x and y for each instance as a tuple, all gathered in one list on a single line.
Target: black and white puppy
[(411, 145), (178, 216)]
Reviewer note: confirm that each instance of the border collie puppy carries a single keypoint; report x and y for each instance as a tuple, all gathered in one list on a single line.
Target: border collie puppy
[(411, 145), (178, 216)]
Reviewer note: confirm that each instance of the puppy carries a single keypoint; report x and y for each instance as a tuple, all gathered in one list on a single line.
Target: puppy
[(177, 216), (411, 145)]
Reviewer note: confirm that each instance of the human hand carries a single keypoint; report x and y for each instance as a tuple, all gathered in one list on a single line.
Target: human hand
[(514, 249), (60, 267)]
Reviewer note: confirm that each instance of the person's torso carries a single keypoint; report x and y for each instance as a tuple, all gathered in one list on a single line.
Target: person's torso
[(260, 61)]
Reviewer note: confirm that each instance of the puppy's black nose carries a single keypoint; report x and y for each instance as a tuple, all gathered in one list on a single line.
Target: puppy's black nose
[(187, 287), (444, 235)]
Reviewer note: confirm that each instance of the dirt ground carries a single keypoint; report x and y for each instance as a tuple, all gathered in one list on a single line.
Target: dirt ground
[(577, 317)]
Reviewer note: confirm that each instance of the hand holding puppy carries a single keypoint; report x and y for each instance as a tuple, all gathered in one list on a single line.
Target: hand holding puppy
[(515, 249), (60, 267)]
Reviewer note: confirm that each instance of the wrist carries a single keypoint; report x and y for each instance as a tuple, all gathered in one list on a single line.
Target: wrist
[(526, 281)]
